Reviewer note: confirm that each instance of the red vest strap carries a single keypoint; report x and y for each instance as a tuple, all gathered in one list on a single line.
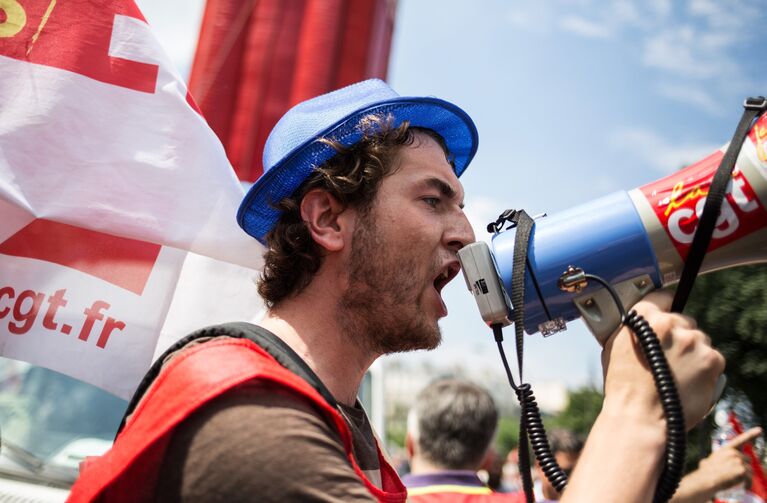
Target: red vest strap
[(128, 472)]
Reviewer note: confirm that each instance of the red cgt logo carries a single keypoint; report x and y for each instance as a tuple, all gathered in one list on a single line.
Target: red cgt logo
[(73, 36), (126, 263), (678, 202)]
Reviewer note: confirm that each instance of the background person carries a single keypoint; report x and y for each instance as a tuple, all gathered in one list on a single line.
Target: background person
[(722, 469), (566, 447), (450, 430)]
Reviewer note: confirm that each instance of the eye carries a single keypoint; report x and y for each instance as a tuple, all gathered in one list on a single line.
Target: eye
[(431, 201)]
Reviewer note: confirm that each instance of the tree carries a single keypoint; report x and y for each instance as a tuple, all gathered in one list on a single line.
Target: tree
[(583, 406), (731, 306), (507, 437)]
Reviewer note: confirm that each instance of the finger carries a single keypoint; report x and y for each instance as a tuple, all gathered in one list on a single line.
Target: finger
[(663, 322), (745, 437), (687, 321), (701, 337)]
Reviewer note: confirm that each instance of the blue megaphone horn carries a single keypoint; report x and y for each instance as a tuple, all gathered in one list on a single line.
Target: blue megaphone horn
[(636, 240)]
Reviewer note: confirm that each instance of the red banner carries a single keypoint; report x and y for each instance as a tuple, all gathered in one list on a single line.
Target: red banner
[(256, 59)]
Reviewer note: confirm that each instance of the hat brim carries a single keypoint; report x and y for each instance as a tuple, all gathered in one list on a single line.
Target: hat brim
[(257, 214)]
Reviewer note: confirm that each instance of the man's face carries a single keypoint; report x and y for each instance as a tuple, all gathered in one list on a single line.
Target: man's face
[(404, 252)]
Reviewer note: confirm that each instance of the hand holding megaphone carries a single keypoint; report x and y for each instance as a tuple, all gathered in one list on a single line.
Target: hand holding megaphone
[(595, 260), (688, 350), (632, 419)]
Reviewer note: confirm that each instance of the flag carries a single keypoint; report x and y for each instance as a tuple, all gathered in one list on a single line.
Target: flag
[(117, 202), (758, 480), (257, 58)]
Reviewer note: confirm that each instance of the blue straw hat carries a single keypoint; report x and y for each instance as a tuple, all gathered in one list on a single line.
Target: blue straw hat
[(293, 151)]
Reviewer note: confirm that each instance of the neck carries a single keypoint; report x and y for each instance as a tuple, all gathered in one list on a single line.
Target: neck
[(307, 323), (421, 466)]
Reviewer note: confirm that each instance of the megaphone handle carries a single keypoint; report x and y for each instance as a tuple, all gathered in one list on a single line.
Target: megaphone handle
[(575, 279), (600, 312)]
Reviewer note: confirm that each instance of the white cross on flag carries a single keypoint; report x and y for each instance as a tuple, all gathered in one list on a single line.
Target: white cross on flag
[(117, 202)]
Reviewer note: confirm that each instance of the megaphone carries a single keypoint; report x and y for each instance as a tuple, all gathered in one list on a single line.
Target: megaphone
[(637, 240)]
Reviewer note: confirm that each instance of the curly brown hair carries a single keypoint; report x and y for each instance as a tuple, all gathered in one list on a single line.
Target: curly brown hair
[(353, 176)]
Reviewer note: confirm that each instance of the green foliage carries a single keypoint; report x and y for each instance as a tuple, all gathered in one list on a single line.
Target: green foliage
[(507, 437), (731, 306), (396, 427), (698, 444), (583, 406)]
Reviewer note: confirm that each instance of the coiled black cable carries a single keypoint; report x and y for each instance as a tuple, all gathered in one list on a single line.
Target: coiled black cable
[(664, 382), (524, 455), (538, 440), (672, 408), (532, 426), (676, 435)]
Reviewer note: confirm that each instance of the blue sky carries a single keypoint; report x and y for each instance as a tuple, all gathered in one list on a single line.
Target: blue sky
[(573, 100)]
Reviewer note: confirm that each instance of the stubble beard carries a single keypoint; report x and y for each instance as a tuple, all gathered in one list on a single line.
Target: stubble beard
[(381, 307)]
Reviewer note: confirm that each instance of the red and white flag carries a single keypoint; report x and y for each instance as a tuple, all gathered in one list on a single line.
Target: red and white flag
[(117, 202)]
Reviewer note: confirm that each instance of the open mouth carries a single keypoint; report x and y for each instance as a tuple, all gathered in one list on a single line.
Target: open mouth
[(448, 273)]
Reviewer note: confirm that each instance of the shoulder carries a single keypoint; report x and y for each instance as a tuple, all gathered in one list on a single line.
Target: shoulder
[(261, 438), (254, 417)]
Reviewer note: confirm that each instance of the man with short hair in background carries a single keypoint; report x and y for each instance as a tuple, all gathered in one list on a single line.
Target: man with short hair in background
[(450, 430)]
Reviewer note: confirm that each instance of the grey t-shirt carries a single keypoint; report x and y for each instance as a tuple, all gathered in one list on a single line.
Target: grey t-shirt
[(260, 442)]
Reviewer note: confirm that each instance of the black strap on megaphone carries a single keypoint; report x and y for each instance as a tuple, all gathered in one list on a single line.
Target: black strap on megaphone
[(753, 107), (531, 427), (531, 424)]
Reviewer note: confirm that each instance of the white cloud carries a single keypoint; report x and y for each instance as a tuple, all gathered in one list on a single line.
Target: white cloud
[(731, 15), (622, 12), (678, 51), (690, 40), (691, 95), (661, 8), (584, 27), (659, 153), (534, 17)]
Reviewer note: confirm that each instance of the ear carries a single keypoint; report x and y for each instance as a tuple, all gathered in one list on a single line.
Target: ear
[(323, 215), (409, 445), (488, 459)]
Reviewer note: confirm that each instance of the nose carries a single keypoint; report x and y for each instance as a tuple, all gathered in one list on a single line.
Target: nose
[(459, 233)]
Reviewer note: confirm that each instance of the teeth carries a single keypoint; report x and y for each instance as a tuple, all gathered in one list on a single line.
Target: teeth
[(443, 277)]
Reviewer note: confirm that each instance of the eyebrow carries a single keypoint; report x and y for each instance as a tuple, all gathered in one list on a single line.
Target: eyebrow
[(444, 189)]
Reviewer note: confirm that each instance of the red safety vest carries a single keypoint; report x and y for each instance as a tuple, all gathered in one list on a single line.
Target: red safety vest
[(128, 472)]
